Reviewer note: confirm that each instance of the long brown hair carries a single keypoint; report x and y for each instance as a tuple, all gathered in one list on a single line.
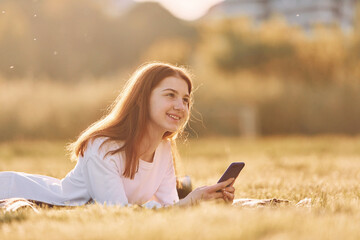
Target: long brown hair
[(129, 115)]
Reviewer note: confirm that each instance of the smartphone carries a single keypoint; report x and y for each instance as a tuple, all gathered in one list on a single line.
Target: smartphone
[(232, 172)]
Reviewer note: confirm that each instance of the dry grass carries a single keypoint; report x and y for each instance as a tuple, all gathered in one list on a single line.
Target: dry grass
[(32, 108), (326, 169)]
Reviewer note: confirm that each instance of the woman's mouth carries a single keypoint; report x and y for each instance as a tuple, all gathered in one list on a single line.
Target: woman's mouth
[(175, 117)]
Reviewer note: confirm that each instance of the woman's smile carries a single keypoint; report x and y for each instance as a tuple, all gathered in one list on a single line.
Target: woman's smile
[(173, 116)]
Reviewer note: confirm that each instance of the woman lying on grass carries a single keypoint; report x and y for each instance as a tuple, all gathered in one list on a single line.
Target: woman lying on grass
[(128, 156)]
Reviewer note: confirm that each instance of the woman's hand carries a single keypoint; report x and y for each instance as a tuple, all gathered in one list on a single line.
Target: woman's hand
[(229, 194), (209, 193)]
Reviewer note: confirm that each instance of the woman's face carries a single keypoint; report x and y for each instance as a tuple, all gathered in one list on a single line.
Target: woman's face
[(169, 105)]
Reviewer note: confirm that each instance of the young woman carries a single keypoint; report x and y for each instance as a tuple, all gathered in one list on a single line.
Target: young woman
[(127, 157)]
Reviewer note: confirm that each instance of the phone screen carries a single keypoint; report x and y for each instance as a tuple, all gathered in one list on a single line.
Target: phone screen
[(232, 171)]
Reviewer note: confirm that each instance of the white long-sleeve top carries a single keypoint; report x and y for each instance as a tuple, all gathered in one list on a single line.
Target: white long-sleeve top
[(99, 178)]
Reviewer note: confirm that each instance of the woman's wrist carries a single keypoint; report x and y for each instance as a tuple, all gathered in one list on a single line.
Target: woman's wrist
[(185, 201), (189, 200), (182, 202)]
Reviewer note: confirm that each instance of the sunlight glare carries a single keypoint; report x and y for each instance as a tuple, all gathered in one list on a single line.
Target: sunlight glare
[(186, 9)]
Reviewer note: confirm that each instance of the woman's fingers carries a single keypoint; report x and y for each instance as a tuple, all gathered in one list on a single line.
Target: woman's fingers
[(217, 195), (228, 197), (230, 189), (220, 185)]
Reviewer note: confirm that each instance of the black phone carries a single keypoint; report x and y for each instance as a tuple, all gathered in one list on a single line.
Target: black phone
[(232, 172)]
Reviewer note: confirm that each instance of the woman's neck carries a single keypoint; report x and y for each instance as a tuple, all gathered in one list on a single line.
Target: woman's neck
[(148, 145)]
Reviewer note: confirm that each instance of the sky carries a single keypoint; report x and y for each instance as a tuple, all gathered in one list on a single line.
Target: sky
[(186, 9)]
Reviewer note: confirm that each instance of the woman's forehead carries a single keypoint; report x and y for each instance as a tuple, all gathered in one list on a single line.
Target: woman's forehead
[(175, 83)]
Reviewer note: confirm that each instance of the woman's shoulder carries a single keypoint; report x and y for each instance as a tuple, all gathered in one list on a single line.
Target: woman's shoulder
[(103, 145), (165, 149)]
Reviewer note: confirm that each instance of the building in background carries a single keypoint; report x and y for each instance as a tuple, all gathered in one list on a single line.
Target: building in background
[(304, 13)]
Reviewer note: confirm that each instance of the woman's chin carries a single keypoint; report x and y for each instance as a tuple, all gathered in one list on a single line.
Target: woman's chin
[(172, 129)]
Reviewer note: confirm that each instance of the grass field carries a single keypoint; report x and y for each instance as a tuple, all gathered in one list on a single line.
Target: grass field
[(325, 169)]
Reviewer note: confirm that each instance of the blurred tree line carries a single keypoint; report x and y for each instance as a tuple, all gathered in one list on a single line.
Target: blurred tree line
[(296, 81), (71, 39), (283, 79)]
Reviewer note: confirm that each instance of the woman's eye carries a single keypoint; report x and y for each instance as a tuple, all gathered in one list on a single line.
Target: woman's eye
[(186, 100), (170, 95)]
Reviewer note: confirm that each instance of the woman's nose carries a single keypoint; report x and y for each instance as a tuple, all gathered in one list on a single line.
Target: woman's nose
[(180, 105)]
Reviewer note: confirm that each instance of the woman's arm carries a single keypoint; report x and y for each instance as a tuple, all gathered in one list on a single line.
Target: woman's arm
[(104, 182), (102, 176), (167, 194)]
